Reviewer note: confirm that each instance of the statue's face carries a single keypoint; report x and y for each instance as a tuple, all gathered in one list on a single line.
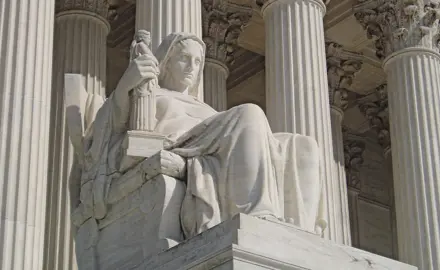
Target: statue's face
[(185, 64)]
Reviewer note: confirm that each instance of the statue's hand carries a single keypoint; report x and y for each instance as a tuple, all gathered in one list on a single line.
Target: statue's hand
[(142, 68), (165, 162)]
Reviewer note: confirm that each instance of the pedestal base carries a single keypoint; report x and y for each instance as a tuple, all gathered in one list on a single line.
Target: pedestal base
[(247, 242), (142, 143)]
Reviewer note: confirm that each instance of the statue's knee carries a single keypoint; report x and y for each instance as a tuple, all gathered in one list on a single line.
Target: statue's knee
[(308, 151), (251, 111)]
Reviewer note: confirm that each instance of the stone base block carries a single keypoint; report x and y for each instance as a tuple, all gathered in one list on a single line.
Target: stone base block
[(247, 242), (142, 143), (139, 226)]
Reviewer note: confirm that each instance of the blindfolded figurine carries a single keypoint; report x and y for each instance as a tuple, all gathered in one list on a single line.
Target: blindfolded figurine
[(140, 44), (143, 96)]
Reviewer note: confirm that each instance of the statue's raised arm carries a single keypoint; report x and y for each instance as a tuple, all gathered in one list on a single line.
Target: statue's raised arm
[(138, 81), (211, 165), (143, 98)]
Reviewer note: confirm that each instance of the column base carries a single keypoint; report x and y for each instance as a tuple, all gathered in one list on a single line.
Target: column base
[(246, 242)]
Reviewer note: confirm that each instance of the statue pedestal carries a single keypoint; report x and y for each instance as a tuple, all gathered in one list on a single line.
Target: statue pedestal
[(246, 242), (143, 143)]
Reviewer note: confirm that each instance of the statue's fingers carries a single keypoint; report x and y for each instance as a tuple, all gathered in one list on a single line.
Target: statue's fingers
[(147, 69), (148, 75), (147, 62), (142, 57), (154, 59), (147, 57)]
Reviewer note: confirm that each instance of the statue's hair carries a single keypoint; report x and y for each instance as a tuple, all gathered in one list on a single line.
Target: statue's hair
[(142, 35), (166, 50)]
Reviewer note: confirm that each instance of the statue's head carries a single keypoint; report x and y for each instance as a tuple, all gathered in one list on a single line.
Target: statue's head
[(181, 59)]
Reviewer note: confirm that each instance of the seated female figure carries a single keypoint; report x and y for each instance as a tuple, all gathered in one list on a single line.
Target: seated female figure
[(235, 164)]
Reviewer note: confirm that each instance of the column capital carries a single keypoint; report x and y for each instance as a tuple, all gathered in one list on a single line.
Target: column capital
[(353, 155), (222, 25), (398, 24), (264, 4), (342, 66), (100, 7), (375, 109)]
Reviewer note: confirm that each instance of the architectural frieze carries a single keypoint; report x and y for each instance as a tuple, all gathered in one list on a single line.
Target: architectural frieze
[(353, 154), (223, 23), (342, 67), (100, 7), (398, 24), (376, 112)]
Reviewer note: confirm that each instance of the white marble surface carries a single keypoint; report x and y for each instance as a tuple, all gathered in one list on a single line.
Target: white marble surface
[(215, 92), (231, 161), (246, 242), (297, 97), (79, 47), (162, 18), (339, 174), (137, 226), (342, 66), (408, 44), (414, 119), (25, 79)]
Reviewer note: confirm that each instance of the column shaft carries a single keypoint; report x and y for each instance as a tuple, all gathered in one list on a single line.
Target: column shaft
[(162, 18), (26, 30), (297, 98), (413, 77), (80, 47), (215, 75), (339, 174)]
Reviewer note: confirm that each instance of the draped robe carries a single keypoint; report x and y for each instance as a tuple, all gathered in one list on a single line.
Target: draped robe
[(235, 164)]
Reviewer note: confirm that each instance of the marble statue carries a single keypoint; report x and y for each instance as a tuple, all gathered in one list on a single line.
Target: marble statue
[(228, 162)]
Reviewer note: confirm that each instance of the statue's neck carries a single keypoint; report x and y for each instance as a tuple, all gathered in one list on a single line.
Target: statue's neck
[(173, 92), (176, 87)]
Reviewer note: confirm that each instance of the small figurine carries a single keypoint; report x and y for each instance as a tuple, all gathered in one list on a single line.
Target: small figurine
[(140, 44), (143, 96)]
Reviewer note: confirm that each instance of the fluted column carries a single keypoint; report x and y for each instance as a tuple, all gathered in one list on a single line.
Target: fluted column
[(336, 116), (162, 18), (408, 42), (26, 30), (296, 88), (413, 83), (215, 75), (79, 47), (342, 66), (222, 25)]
